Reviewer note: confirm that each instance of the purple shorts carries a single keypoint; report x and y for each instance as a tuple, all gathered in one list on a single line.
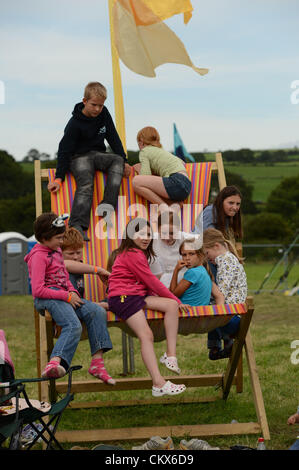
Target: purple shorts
[(124, 306)]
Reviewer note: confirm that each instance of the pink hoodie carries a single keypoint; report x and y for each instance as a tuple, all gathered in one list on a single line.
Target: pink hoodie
[(131, 275), (47, 269)]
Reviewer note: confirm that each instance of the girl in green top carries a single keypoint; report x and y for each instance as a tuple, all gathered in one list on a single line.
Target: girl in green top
[(162, 176)]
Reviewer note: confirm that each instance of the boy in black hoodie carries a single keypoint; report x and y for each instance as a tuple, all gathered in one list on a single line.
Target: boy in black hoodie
[(82, 151)]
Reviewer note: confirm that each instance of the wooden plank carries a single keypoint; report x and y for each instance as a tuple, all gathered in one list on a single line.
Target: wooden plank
[(148, 401), (138, 383), (256, 387), (135, 434), (221, 173)]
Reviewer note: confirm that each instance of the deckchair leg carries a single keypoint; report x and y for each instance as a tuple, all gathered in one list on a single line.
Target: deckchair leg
[(37, 349), (256, 387), (236, 351), (43, 355), (125, 353), (125, 346), (131, 355), (239, 375)]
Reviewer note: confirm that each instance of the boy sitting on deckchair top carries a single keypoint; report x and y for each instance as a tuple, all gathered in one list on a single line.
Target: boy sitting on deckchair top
[(82, 151)]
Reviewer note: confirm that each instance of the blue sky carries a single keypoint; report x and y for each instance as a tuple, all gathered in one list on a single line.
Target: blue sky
[(51, 49)]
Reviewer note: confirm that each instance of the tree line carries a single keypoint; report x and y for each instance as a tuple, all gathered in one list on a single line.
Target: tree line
[(275, 221)]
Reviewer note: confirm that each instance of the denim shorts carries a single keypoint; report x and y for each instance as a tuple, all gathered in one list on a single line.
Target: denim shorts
[(124, 306), (178, 186)]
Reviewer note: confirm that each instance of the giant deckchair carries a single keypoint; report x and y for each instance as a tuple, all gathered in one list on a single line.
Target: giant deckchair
[(197, 320)]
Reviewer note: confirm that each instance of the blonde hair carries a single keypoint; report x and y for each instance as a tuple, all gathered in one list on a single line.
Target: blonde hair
[(211, 236), (149, 136), (72, 239), (95, 89)]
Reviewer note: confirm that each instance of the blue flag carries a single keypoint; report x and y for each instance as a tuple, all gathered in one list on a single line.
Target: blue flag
[(179, 148)]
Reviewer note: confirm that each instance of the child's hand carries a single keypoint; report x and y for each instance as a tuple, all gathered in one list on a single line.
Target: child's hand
[(127, 170), (104, 305), (75, 300), (54, 187), (184, 307), (103, 275), (180, 264), (293, 419), (137, 167)]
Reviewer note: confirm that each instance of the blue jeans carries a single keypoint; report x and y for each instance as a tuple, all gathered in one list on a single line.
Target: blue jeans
[(83, 168), (68, 318), (295, 446), (223, 332)]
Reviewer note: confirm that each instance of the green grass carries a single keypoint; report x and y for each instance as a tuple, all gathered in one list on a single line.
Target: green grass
[(274, 326), (264, 178)]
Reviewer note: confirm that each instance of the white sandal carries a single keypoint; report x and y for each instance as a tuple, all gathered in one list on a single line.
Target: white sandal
[(168, 389), (171, 363)]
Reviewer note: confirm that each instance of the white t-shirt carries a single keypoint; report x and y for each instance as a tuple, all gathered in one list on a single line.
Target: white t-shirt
[(167, 257)]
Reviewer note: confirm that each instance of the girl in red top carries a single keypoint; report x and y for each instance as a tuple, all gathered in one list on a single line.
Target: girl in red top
[(131, 288)]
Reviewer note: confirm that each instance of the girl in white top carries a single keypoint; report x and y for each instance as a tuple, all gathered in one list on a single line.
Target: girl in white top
[(231, 280), (167, 247)]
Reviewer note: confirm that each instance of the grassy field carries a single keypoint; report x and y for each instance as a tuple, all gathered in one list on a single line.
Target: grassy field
[(274, 326), (264, 178)]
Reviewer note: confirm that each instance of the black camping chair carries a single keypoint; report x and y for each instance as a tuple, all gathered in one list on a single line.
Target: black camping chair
[(49, 418), (10, 424)]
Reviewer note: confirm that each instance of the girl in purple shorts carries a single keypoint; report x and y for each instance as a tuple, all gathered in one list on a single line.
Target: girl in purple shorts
[(131, 288)]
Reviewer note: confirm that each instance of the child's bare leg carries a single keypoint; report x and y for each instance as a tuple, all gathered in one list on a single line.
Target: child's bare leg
[(150, 187), (171, 319), (139, 325)]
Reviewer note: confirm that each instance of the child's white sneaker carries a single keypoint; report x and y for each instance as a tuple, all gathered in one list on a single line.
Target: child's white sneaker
[(171, 363), (156, 443), (168, 389)]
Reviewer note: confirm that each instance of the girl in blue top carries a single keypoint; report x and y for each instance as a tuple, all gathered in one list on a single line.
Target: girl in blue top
[(197, 286)]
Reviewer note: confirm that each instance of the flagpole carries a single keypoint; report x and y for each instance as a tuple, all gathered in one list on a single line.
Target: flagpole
[(117, 85)]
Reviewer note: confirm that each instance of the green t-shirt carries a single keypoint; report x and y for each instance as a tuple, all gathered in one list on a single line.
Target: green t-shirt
[(158, 161)]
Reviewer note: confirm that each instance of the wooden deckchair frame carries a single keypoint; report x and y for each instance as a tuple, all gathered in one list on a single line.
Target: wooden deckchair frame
[(233, 374)]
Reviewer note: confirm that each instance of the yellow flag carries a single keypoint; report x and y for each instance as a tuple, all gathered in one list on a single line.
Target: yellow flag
[(167, 8), (143, 41)]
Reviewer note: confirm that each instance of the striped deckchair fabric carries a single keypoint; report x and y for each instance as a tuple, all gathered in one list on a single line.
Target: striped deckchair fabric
[(130, 205)]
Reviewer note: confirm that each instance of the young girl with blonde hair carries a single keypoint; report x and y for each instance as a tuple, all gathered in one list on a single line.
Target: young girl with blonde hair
[(231, 280)]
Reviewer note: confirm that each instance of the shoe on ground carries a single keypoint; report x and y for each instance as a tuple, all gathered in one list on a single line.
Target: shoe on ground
[(168, 388), (196, 444), (171, 363), (80, 229), (156, 443)]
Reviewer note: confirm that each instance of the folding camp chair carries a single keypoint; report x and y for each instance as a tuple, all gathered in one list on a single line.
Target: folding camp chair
[(17, 410), (10, 425), (196, 320)]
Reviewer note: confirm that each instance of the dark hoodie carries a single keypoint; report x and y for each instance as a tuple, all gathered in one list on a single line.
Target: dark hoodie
[(83, 134)]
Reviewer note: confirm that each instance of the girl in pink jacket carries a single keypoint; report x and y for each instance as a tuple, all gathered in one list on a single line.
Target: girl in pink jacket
[(53, 291), (131, 288)]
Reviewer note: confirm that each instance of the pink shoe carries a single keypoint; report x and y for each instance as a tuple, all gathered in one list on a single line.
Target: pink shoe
[(97, 369), (53, 370)]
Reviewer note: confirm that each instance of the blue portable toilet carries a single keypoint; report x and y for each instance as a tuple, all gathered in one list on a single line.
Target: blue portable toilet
[(13, 269), (31, 242)]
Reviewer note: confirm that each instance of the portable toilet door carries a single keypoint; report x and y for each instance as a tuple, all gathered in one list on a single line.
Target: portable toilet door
[(13, 269)]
